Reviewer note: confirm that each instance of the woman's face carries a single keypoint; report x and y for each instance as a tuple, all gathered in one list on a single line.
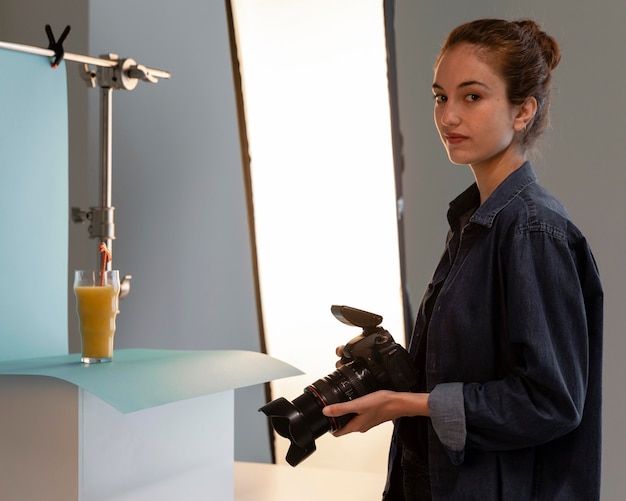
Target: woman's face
[(475, 120)]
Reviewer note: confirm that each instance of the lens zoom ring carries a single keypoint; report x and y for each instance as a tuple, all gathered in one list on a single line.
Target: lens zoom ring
[(354, 380)]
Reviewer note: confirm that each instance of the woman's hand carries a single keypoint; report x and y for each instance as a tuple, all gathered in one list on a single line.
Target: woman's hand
[(339, 353), (376, 408)]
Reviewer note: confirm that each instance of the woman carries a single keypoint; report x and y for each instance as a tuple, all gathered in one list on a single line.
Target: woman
[(508, 338)]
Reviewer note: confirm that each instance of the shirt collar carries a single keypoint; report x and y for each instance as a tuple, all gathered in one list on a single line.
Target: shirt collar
[(486, 213)]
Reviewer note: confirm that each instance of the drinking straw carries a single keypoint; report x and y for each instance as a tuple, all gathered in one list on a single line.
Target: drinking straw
[(106, 257)]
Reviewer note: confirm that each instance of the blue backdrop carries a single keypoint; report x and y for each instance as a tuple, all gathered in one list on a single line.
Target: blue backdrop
[(34, 208)]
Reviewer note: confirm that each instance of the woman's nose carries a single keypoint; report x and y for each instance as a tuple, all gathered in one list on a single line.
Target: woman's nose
[(449, 116)]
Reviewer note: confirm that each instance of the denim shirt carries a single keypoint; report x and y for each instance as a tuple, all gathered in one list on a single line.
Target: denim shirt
[(514, 351)]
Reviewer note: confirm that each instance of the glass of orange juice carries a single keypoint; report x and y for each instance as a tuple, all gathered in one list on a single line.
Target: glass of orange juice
[(97, 298)]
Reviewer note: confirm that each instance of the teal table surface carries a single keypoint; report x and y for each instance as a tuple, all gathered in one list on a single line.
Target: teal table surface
[(138, 379)]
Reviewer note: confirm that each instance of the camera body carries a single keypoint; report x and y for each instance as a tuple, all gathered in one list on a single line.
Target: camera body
[(387, 361), (370, 362)]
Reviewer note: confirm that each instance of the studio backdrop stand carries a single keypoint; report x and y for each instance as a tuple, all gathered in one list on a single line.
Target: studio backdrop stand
[(108, 72)]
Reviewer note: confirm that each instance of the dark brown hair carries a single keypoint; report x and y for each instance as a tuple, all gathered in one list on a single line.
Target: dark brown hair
[(524, 55)]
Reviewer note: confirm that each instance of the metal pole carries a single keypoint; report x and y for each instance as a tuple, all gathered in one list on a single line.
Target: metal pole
[(77, 58), (106, 135)]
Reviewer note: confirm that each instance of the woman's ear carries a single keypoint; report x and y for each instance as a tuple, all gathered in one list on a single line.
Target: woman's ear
[(525, 114)]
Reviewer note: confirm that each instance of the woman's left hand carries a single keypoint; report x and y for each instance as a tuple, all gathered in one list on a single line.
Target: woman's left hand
[(376, 408)]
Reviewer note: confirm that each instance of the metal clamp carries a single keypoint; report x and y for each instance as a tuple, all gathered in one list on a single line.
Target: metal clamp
[(124, 74), (101, 225)]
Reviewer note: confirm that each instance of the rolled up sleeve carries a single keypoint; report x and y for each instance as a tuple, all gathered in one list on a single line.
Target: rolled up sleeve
[(447, 414)]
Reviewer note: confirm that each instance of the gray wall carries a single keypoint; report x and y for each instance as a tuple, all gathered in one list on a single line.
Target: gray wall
[(181, 220), (178, 189), (581, 159)]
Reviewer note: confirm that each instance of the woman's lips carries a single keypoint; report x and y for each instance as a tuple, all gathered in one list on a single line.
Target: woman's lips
[(455, 138)]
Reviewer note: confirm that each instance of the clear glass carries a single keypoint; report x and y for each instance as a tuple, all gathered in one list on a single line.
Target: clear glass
[(97, 300)]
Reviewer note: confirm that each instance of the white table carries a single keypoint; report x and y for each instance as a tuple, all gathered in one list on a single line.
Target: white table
[(270, 482)]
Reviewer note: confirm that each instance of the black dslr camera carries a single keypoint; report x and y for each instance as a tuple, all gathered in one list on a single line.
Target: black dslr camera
[(371, 361)]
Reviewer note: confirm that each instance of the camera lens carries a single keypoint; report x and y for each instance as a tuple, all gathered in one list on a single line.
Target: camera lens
[(350, 381), (302, 420)]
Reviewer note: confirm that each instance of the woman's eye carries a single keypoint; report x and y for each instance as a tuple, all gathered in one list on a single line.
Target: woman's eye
[(472, 97), (440, 98)]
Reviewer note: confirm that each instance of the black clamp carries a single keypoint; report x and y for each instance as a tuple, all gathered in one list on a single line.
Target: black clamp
[(56, 45)]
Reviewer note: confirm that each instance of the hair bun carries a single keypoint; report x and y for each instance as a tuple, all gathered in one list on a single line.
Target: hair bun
[(549, 46)]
